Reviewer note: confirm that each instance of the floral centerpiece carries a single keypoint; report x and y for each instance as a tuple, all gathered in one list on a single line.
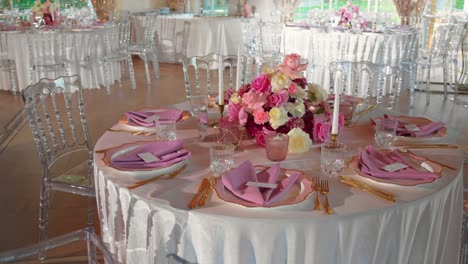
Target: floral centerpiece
[(282, 101), (348, 13), (46, 9)]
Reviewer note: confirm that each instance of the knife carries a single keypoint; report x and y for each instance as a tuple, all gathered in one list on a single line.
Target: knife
[(203, 185), (164, 177), (374, 191)]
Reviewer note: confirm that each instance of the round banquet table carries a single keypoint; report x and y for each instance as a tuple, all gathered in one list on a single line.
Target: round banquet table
[(152, 224), (322, 46), (206, 35), (19, 52)]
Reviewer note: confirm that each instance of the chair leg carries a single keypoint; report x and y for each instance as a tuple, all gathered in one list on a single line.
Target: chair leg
[(148, 76), (444, 69), (428, 83), (107, 77), (155, 64), (13, 79), (43, 217), (131, 71)]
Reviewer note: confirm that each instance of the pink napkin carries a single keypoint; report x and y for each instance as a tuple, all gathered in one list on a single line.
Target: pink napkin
[(169, 153), (236, 179), (426, 130), (139, 116), (371, 162)]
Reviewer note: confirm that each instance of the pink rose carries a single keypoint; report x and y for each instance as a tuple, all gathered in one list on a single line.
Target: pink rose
[(262, 84), (355, 9), (348, 16), (292, 66), (322, 128), (341, 10), (242, 117), (278, 99), (261, 136), (260, 116), (292, 89), (252, 100), (340, 121)]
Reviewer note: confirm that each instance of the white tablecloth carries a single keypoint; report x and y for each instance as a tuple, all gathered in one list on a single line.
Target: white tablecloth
[(18, 50), (206, 35), (321, 48), (151, 224)]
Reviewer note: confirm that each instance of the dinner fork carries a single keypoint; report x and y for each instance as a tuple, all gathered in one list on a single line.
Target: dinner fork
[(324, 189), (316, 188)]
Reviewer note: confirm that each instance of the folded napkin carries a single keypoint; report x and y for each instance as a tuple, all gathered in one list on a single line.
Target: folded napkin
[(236, 179), (371, 162), (426, 130), (169, 153), (139, 116)]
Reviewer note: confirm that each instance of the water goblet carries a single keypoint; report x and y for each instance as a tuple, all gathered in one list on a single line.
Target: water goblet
[(165, 129), (385, 132), (332, 158), (221, 157), (276, 146)]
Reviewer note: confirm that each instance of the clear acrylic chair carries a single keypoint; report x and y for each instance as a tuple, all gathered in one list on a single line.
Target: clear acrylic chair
[(96, 251), (47, 54), (201, 72), (366, 80), (7, 64), (147, 48), (83, 54), (57, 119), (435, 56), (461, 81), (117, 42)]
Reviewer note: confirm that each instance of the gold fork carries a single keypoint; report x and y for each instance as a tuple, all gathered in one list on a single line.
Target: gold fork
[(324, 189), (135, 133), (316, 188)]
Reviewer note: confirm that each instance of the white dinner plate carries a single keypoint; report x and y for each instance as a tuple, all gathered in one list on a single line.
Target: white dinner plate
[(139, 174)]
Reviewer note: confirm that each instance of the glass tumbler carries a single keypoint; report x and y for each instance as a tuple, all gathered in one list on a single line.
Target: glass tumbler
[(276, 146), (385, 132), (165, 129), (332, 158), (221, 157)]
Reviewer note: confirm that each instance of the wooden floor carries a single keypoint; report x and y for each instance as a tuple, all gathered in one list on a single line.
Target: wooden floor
[(20, 168)]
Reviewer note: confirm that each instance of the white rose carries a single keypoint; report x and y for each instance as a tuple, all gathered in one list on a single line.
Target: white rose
[(320, 93), (296, 109), (300, 93), (299, 141), (235, 98), (278, 117), (279, 81)]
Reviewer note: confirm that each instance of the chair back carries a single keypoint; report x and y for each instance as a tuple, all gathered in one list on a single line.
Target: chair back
[(150, 29), (201, 72), (46, 48), (57, 118), (3, 48), (440, 42), (252, 36), (365, 79), (117, 40)]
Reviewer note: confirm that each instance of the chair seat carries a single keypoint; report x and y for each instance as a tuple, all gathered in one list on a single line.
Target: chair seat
[(49, 61)]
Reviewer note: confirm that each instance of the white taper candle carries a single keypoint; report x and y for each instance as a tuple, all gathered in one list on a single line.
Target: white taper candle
[(336, 111), (238, 71), (220, 81)]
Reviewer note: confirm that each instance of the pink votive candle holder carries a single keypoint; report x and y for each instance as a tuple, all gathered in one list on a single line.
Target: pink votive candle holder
[(276, 146)]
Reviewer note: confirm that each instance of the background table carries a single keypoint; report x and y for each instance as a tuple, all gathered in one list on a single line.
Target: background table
[(152, 224), (205, 35), (18, 50)]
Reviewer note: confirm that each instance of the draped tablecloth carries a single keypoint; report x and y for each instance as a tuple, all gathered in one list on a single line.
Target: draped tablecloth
[(322, 46), (205, 35), (152, 224), (18, 50)]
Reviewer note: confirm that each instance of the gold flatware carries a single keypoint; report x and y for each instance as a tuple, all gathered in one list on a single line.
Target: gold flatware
[(135, 133), (164, 177), (316, 188), (206, 193), (324, 189), (431, 160), (367, 188), (201, 188), (413, 146), (365, 185)]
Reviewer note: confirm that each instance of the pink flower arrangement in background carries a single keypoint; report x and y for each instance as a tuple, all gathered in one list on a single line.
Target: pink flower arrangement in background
[(348, 13), (281, 100)]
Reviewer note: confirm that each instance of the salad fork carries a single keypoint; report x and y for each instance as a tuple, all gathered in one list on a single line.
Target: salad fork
[(316, 188), (324, 189)]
